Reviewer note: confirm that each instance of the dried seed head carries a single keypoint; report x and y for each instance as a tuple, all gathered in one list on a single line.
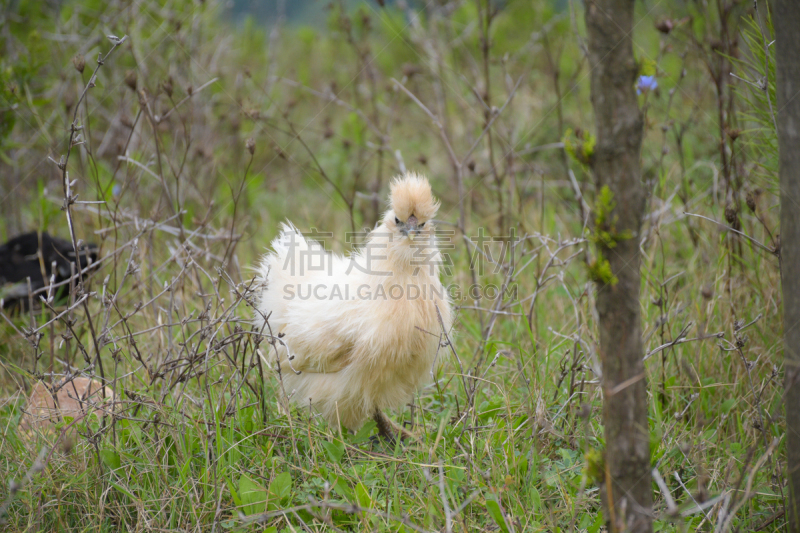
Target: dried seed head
[(665, 26), (751, 201), (130, 79), (740, 343), (410, 69), (167, 86), (67, 444), (79, 62), (707, 292), (731, 214), (251, 145), (734, 134)]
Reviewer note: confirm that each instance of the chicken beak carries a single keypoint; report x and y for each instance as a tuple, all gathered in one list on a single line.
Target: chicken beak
[(413, 231), (411, 227)]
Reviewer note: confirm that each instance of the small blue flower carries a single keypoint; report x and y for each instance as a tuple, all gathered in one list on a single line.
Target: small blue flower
[(645, 84), (116, 190)]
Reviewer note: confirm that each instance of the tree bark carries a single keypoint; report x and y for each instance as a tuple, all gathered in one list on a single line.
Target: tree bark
[(627, 491), (786, 18)]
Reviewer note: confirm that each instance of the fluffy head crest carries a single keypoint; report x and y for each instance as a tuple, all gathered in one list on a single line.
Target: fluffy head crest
[(411, 195)]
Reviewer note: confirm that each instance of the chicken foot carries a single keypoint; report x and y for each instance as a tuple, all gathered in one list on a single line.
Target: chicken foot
[(388, 429)]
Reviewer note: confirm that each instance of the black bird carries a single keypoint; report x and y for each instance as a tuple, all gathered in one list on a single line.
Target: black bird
[(28, 256)]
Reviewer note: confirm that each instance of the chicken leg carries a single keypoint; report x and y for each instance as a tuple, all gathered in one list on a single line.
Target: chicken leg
[(388, 429)]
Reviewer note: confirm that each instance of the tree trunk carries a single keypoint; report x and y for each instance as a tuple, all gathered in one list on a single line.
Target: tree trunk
[(627, 491), (786, 18)]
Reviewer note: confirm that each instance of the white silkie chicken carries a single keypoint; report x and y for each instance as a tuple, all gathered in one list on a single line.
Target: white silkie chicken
[(359, 334)]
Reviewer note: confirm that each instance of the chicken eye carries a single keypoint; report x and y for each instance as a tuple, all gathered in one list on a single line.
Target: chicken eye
[(396, 220)]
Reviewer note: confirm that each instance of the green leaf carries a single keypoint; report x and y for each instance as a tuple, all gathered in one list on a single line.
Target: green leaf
[(566, 455), (341, 486), (281, 486), (365, 431), (235, 495), (647, 67), (123, 490), (536, 499), (580, 146), (496, 513), (728, 404), (335, 450), (363, 497), (186, 469), (598, 522), (110, 458), (768, 495), (253, 495)]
